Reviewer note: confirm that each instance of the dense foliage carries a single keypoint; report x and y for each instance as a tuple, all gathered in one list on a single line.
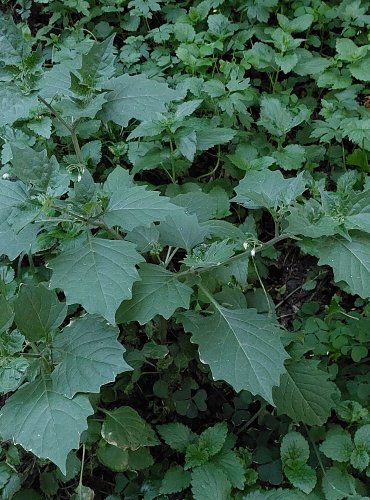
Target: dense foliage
[(185, 249)]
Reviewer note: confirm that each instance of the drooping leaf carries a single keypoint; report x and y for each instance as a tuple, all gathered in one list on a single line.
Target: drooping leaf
[(181, 230), (350, 260), (13, 243), (44, 421), (211, 255), (241, 347), (12, 195), (96, 273), (88, 356), (158, 292), (268, 189), (135, 97), (126, 429), (135, 206), (38, 311), (304, 393), (12, 372), (13, 104)]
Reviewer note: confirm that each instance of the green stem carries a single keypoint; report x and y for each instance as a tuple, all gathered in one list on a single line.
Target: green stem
[(70, 127), (172, 163), (163, 328), (242, 255), (252, 419), (209, 296), (81, 471)]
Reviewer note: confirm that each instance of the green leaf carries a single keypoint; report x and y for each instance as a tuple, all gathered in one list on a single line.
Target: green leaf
[(176, 479), (12, 195), (310, 63), (358, 215), (88, 356), (181, 230), (11, 42), (362, 437), (232, 466), (294, 447), (338, 445), (210, 478), (286, 62), (135, 206), (13, 104), (12, 372), (209, 255), (300, 23), (360, 459), (6, 314), (291, 157), (348, 51), (96, 273), (126, 429), (350, 260), (280, 494), (158, 292), (13, 243), (268, 189), (337, 484), (213, 438), (304, 393), (44, 421), (303, 478), (241, 347), (98, 64), (360, 69), (178, 436), (34, 167), (213, 136), (120, 460), (38, 311), (203, 205), (277, 119), (135, 97), (309, 219)]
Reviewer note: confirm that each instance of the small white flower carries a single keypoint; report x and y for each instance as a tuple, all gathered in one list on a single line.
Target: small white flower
[(253, 252), (6, 176), (245, 245)]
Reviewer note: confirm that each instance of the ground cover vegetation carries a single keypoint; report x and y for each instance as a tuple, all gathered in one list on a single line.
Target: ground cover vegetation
[(185, 249)]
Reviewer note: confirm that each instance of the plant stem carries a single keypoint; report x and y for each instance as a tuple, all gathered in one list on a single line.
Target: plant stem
[(252, 419), (209, 296), (163, 327), (81, 471), (242, 255), (70, 127)]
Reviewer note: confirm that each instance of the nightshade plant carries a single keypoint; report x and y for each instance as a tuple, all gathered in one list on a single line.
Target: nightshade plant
[(161, 163)]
